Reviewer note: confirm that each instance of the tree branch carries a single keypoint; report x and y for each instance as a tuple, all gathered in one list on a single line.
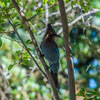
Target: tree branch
[(29, 19), (83, 15), (7, 32), (32, 17), (96, 27), (78, 19), (51, 81), (13, 40), (67, 10), (26, 48), (46, 9), (68, 51)]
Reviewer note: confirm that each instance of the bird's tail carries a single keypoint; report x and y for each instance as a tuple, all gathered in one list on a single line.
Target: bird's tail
[(55, 78)]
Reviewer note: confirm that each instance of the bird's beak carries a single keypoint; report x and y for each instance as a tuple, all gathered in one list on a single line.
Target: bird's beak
[(57, 35)]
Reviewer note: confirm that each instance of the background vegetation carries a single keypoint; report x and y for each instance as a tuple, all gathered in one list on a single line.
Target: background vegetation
[(25, 80)]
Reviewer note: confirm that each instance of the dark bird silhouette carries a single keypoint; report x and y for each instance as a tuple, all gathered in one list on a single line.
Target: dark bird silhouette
[(50, 50)]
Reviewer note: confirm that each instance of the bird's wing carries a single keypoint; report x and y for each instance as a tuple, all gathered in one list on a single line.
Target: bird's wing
[(51, 54)]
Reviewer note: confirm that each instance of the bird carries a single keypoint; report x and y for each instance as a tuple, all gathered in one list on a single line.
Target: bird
[(50, 51)]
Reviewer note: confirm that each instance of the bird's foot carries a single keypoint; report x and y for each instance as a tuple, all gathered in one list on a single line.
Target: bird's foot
[(47, 67), (41, 55)]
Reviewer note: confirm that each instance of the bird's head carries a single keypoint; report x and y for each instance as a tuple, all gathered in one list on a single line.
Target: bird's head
[(50, 33)]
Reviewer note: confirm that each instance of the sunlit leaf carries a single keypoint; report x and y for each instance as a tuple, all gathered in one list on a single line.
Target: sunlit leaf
[(2, 3), (10, 67), (45, 1)]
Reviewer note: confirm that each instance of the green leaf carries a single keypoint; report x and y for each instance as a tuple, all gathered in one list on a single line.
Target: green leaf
[(0, 42), (45, 1), (25, 60), (29, 49), (19, 52), (66, 1), (72, 3), (10, 67), (1, 29), (2, 3), (97, 98), (29, 42), (81, 92), (1, 21)]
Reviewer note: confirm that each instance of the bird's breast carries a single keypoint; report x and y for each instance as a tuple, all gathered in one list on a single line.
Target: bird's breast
[(50, 51)]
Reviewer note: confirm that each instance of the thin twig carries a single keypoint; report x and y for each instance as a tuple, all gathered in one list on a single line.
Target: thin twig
[(46, 9), (13, 40), (7, 32), (26, 48), (52, 6), (32, 70), (88, 67), (78, 19), (32, 17), (83, 15), (67, 10), (43, 30), (96, 27), (35, 14)]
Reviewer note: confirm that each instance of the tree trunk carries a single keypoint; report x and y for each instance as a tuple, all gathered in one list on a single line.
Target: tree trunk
[(68, 51)]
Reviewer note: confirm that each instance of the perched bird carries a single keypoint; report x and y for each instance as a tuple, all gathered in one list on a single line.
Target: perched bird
[(50, 51)]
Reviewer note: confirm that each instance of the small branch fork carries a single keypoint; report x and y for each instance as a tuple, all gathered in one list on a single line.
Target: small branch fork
[(83, 15), (37, 49), (74, 21)]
